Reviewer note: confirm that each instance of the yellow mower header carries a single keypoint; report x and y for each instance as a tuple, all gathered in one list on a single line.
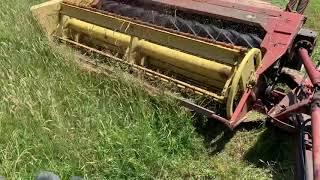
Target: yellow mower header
[(216, 70)]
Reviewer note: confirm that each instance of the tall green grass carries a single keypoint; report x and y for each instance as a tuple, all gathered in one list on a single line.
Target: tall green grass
[(56, 117)]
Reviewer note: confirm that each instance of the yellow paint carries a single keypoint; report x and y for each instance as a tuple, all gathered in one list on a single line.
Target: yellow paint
[(47, 15), (108, 36), (208, 68), (253, 55), (215, 66)]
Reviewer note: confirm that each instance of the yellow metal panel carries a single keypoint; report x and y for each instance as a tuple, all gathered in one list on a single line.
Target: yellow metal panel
[(106, 35), (47, 15), (202, 81), (191, 63), (189, 45)]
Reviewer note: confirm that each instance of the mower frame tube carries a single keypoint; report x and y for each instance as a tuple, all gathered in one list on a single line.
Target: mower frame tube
[(312, 71), (315, 117), (314, 76)]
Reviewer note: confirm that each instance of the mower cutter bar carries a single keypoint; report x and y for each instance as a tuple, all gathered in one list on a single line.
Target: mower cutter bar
[(149, 73)]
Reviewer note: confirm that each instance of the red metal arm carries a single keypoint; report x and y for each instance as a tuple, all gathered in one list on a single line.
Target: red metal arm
[(314, 76), (311, 69)]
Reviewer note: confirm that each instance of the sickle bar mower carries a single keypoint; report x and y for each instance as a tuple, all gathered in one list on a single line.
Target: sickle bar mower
[(229, 54)]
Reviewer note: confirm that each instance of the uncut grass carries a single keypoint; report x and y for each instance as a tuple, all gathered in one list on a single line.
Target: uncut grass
[(56, 117)]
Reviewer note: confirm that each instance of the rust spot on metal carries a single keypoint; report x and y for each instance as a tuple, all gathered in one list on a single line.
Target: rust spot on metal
[(80, 3), (96, 4), (224, 73)]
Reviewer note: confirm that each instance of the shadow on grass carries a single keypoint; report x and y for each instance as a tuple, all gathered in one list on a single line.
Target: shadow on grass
[(215, 134), (273, 149)]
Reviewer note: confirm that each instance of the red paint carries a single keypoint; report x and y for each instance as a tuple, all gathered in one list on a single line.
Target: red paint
[(315, 122), (280, 35), (311, 69), (281, 32), (240, 111), (290, 109), (281, 28), (314, 76), (207, 6)]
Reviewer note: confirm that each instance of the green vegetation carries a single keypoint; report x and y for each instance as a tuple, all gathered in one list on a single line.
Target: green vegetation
[(56, 117)]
